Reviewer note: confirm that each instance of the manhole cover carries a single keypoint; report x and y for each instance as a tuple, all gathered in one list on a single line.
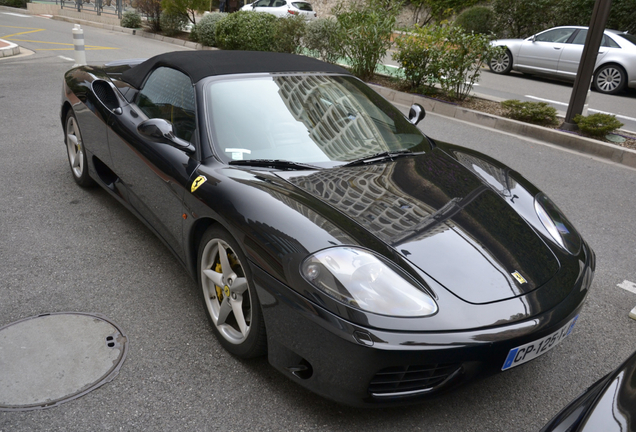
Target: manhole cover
[(52, 358), (615, 138)]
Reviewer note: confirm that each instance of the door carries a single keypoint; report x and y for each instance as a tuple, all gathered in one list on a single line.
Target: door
[(155, 174), (571, 56), (541, 54)]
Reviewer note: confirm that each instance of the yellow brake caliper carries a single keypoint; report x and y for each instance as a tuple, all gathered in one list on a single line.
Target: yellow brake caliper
[(219, 290)]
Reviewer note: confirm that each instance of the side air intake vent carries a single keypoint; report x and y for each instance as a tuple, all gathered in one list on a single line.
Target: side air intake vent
[(106, 94)]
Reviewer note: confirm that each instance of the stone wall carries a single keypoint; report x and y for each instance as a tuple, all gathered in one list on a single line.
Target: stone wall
[(323, 9)]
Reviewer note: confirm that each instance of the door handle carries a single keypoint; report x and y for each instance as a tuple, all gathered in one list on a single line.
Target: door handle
[(557, 48)]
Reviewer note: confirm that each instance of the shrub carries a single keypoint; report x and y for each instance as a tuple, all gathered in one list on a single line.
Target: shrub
[(477, 19), (14, 3), (131, 19), (320, 37), (418, 52), (246, 30), (364, 32), (171, 24), (461, 61), (597, 124), (531, 112), (205, 30), (288, 33)]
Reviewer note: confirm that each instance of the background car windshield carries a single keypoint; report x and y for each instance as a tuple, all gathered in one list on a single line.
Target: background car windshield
[(304, 118)]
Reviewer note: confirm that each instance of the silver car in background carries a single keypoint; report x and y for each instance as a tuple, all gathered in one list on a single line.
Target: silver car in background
[(556, 53), (282, 8)]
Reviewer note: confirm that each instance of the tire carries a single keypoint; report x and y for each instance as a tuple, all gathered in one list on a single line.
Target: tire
[(610, 79), (502, 64), (229, 297), (76, 153)]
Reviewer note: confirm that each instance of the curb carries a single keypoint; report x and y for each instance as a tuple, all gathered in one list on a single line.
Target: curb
[(571, 141), (8, 49)]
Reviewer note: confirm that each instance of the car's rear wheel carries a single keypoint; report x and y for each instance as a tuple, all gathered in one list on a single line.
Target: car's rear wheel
[(229, 295), (501, 64), (76, 152), (610, 79)]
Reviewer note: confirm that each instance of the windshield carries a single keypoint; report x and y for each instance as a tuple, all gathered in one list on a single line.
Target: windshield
[(304, 118)]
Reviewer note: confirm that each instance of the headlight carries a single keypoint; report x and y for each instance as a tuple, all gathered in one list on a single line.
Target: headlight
[(361, 280), (559, 227)]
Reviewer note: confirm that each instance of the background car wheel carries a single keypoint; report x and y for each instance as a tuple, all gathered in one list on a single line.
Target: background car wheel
[(610, 79), (76, 153), (229, 295), (501, 64)]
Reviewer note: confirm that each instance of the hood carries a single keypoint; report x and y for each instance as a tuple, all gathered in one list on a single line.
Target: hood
[(444, 219)]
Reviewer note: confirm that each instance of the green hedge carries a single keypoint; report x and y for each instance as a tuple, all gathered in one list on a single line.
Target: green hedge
[(14, 3), (597, 124), (204, 31), (320, 38), (477, 19), (531, 112), (131, 19), (246, 30)]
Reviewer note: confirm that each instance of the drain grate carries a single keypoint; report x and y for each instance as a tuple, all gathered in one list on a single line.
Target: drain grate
[(50, 359)]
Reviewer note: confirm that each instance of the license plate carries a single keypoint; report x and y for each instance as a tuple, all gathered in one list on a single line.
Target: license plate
[(532, 350)]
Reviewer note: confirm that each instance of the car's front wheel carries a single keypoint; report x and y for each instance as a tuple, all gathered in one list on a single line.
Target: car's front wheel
[(229, 296), (501, 64), (610, 79), (76, 151)]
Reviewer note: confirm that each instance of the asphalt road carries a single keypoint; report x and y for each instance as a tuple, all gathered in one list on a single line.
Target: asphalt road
[(557, 94), (63, 248)]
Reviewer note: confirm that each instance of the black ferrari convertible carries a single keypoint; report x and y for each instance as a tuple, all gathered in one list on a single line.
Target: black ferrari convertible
[(372, 264)]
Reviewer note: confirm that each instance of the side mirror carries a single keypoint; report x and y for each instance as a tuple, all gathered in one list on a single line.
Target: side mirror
[(416, 113), (162, 131)]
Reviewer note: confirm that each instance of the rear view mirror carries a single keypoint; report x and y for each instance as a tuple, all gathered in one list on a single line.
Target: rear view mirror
[(162, 131), (416, 113)]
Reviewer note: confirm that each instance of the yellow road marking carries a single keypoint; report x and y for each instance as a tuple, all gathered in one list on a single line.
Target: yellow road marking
[(33, 30), (12, 38)]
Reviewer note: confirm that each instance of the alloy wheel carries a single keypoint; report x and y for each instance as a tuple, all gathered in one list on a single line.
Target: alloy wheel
[(225, 291), (74, 147)]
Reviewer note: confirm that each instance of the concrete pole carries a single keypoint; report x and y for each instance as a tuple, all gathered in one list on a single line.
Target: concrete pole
[(78, 42), (580, 92)]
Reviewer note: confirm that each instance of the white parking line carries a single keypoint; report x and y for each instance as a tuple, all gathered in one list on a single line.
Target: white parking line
[(66, 58), (17, 14), (589, 109), (628, 286), (546, 100)]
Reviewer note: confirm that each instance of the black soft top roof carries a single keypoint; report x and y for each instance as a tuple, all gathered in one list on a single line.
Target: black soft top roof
[(200, 64)]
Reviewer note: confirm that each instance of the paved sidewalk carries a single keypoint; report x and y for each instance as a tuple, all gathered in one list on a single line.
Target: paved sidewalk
[(571, 141)]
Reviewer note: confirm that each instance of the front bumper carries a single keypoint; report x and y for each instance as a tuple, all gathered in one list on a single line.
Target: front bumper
[(361, 366)]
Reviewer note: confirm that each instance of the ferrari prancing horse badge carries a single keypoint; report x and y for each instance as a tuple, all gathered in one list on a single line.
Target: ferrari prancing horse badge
[(197, 182)]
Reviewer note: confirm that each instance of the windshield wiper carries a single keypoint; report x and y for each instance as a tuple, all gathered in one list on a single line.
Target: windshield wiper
[(380, 157), (274, 163)]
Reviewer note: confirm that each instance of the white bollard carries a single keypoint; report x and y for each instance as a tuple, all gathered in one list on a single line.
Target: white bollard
[(586, 104), (78, 42)]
